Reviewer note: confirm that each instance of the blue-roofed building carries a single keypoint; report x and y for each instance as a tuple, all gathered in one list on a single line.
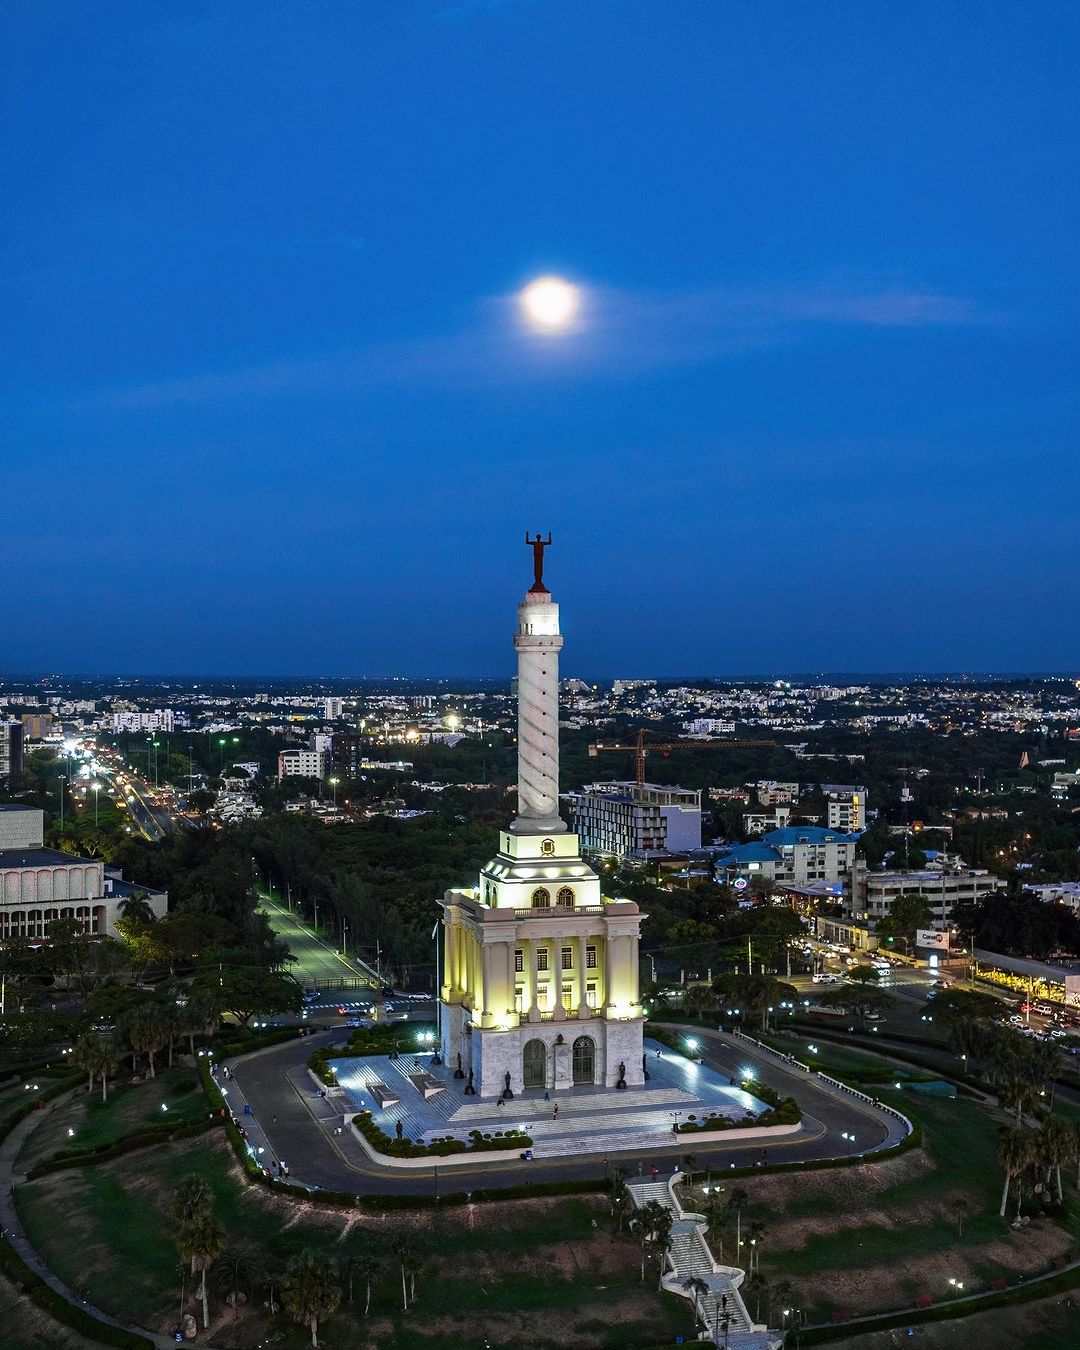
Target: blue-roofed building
[(795, 854)]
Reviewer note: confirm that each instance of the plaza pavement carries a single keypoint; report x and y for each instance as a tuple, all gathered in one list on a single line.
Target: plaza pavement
[(293, 1121)]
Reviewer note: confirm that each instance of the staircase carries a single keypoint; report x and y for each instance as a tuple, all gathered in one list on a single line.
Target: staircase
[(726, 1321)]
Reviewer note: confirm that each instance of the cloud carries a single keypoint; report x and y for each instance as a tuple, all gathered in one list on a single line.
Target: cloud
[(622, 334)]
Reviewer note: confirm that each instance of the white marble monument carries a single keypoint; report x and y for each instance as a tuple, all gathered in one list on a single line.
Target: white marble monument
[(540, 971)]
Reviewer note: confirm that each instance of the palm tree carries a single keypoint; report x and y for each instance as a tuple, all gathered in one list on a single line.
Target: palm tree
[(137, 906), (1055, 1143), (147, 1031), (737, 1197), (365, 1267), (619, 1197), (402, 1249), (202, 1241), (651, 1220), (1018, 1094), (960, 1209), (696, 1287), (97, 1055), (1014, 1154), (233, 1274), (715, 1214), (191, 1201), (756, 1238), (310, 1290)]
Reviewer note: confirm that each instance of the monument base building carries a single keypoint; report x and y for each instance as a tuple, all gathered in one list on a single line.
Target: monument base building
[(540, 971)]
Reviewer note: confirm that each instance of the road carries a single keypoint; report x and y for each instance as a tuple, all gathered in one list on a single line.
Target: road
[(148, 815), (317, 961), (292, 1121)]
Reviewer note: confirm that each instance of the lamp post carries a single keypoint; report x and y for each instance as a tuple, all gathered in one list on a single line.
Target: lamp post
[(61, 780), (333, 783), (97, 789), (221, 755)]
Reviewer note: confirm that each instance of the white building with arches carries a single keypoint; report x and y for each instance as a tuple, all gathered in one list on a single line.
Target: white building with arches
[(540, 971), (38, 884)]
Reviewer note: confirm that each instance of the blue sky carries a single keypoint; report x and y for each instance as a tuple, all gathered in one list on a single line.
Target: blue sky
[(266, 405)]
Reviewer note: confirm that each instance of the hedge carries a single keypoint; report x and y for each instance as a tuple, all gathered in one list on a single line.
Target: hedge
[(163, 1133), (255, 1040), (440, 1147)]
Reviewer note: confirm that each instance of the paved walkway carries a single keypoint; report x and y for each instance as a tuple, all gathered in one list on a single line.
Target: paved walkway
[(567, 1123), (16, 1234), (720, 1306)]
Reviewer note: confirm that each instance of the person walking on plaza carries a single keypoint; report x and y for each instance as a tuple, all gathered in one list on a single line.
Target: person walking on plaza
[(555, 1113)]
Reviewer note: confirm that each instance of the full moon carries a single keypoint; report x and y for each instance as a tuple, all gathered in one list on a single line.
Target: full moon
[(550, 304)]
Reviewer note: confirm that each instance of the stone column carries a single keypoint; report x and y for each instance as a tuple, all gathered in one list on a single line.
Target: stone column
[(609, 968), (582, 976), (528, 961), (511, 976), (538, 643)]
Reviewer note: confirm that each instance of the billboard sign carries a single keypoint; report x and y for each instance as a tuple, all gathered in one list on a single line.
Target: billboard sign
[(930, 937)]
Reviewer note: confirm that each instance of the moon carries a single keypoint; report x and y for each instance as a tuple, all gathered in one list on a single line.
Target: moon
[(550, 304)]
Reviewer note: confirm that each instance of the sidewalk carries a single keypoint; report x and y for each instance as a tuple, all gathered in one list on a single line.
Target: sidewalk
[(16, 1235)]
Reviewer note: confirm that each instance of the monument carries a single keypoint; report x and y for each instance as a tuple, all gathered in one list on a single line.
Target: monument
[(540, 971)]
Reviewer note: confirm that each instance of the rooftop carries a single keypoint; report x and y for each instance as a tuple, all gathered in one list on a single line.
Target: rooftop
[(39, 857)]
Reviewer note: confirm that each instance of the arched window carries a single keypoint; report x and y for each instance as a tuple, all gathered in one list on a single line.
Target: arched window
[(541, 898), (565, 895)]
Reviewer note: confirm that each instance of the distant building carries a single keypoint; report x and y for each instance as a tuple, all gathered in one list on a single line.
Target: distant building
[(873, 893), (794, 853), (1065, 893), (11, 748), (301, 764), (36, 726), (39, 885), (333, 708), (708, 726), (161, 719), (847, 807), (631, 820), (760, 822)]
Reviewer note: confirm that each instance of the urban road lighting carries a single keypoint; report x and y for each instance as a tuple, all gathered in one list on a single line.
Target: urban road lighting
[(333, 783), (97, 789)]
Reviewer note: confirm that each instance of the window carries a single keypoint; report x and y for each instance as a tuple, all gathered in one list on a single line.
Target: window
[(542, 958), (568, 958), (541, 898), (519, 961), (565, 895), (590, 958), (590, 994)]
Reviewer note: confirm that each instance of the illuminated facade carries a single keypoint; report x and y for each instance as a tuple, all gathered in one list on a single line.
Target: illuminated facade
[(540, 971)]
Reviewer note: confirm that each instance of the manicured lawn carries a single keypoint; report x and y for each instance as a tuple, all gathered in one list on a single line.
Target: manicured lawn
[(129, 1107), (107, 1230)]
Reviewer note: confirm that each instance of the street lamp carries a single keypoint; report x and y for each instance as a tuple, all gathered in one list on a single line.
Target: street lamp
[(333, 783), (61, 780), (97, 789)]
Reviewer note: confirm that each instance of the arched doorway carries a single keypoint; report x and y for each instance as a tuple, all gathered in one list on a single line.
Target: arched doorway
[(534, 1065), (584, 1059)]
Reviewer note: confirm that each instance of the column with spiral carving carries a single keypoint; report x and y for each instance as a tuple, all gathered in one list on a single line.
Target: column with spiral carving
[(538, 643)]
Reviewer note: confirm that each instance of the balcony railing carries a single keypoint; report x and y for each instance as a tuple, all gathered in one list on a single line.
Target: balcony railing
[(559, 911)]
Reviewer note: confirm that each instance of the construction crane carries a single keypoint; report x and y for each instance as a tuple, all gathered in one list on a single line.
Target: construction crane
[(640, 750)]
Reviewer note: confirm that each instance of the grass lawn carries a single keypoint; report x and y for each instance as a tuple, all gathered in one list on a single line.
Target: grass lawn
[(107, 1231), (129, 1107), (874, 1237)]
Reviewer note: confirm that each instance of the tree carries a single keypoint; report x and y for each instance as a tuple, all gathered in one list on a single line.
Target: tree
[(906, 914), (246, 990), (191, 1201), (233, 1275), (147, 1030), (403, 1250), (960, 1209), (310, 1290), (1020, 1095), (863, 975), (365, 1267), (737, 1197), (1054, 1145), (137, 907), (696, 1288), (84, 961), (1014, 1154), (97, 1055), (201, 1241), (653, 1226)]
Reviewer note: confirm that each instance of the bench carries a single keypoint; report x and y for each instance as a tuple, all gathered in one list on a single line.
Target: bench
[(425, 1084), (383, 1094)]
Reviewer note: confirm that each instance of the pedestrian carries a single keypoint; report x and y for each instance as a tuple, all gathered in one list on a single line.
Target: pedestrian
[(285, 1168), (658, 1053), (555, 1113), (273, 1119)]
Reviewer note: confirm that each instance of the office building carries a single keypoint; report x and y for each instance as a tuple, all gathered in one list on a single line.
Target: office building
[(846, 807), (11, 748), (635, 820), (301, 764)]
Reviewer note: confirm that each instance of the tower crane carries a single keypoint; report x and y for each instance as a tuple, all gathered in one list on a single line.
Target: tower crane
[(640, 750)]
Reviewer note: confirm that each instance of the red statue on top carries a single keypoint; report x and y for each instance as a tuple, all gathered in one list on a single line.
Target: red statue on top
[(538, 545)]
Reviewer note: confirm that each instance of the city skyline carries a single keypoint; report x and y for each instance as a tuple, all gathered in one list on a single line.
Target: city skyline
[(274, 410)]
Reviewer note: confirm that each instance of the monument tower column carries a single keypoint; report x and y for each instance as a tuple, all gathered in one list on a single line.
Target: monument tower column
[(538, 643)]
